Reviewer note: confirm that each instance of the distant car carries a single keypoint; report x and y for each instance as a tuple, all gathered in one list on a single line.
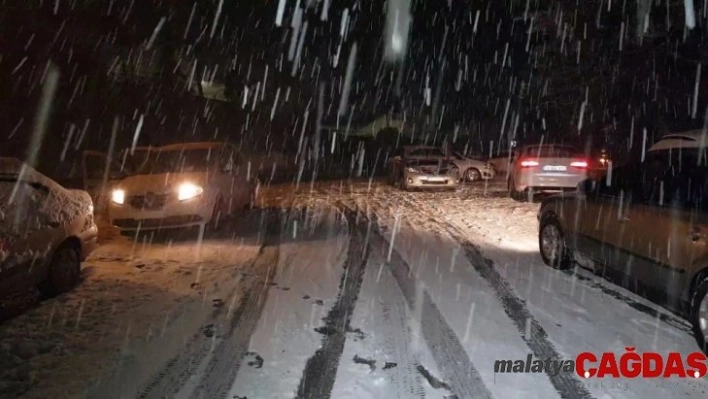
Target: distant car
[(46, 231), (182, 185), (426, 174), (546, 168), (644, 224), (470, 170), (691, 139), (502, 162)]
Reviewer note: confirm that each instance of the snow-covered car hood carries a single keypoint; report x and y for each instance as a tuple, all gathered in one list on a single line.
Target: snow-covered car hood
[(161, 183), (61, 206)]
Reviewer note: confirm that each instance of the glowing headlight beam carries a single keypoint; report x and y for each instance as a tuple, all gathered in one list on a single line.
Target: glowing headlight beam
[(118, 196), (188, 191)]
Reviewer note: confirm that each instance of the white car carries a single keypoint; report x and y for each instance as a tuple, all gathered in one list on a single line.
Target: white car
[(690, 139), (182, 185), (546, 168), (46, 231), (470, 170)]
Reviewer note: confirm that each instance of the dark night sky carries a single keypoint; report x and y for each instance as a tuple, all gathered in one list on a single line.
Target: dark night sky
[(644, 85)]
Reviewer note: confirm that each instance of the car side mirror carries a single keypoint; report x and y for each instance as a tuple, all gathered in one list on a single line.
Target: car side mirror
[(586, 186)]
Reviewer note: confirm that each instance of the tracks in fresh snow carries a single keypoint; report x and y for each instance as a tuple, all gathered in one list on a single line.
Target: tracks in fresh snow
[(321, 369), (458, 371), (211, 359), (566, 384)]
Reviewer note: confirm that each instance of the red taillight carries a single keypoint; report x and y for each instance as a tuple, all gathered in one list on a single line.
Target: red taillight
[(579, 164), (528, 163)]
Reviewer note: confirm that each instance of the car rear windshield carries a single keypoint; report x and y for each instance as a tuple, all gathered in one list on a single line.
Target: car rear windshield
[(551, 151)]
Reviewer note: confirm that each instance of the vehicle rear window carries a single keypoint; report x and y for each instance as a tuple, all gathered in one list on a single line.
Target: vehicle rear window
[(548, 151)]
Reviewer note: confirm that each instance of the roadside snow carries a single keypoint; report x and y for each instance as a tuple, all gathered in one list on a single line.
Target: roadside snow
[(136, 305)]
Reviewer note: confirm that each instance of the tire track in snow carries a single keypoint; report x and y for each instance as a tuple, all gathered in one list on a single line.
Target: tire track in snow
[(531, 331), (455, 365), (321, 369), (175, 377), (221, 371)]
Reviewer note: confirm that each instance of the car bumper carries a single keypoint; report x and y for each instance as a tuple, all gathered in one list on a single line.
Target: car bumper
[(430, 182), (549, 182), (173, 215), (89, 241)]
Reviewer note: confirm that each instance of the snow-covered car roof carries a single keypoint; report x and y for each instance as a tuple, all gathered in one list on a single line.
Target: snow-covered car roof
[(13, 167), (689, 139)]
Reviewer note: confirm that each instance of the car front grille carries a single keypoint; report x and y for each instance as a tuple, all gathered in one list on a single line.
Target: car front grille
[(435, 182), (148, 201), (156, 223)]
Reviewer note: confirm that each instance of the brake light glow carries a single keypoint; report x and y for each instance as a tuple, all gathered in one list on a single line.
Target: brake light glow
[(528, 163), (579, 164)]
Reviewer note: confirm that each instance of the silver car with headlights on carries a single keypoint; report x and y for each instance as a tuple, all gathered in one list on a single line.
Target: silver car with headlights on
[(182, 185), (426, 174)]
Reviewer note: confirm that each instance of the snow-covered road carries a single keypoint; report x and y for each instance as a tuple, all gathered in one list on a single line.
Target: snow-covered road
[(342, 290)]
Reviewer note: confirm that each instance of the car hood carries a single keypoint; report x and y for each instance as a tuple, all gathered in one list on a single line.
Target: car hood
[(160, 183)]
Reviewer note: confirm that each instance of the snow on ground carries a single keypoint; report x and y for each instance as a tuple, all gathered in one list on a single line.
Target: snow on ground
[(137, 302), (142, 300), (307, 276), (383, 360), (579, 312)]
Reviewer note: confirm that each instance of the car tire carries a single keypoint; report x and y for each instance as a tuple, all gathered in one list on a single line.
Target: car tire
[(699, 314), (473, 175), (551, 244), (64, 271)]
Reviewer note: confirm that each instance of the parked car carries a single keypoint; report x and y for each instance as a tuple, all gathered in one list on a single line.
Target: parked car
[(645, 224), (690, 139), (546, 168), (470, 170), (502, 162), (426, 174), (46, 231), (182, 185)]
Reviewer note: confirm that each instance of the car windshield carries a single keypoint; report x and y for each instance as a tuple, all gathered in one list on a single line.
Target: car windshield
[(551, 151), (173, 161)]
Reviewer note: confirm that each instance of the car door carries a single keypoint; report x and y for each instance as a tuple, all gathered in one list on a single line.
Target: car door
[(599, 219), (27, 234), (670, 226)]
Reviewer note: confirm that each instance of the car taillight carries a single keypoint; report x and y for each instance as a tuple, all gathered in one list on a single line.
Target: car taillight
[(579, 164), (528, 163)]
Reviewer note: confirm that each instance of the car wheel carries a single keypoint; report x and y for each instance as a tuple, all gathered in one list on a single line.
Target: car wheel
[(699, 314), (551, 243), (472, 175), (64, 271)]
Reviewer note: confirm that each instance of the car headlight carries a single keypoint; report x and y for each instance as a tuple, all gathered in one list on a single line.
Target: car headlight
[(188, 191), (118, 196)]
